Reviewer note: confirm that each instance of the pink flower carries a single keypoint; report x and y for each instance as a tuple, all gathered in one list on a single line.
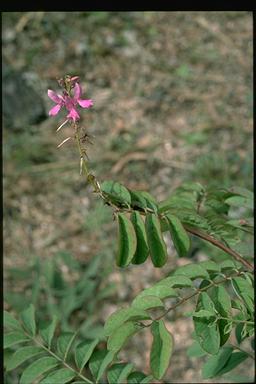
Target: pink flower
[(70, 103)]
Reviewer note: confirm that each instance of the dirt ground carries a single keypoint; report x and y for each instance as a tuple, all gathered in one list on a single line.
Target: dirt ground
[(172, 98)]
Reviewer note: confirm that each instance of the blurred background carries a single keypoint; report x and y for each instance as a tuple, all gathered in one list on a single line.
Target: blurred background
[(172, 98)]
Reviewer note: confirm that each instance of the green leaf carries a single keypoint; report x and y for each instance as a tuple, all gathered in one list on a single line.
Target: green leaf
[(37, 368), (147, 379), (142, 250), (245, 248), (195, 350), (28, 319), (242, 191), (62, 375), (164, 288), (147, 302), (179, 235), (7, 356), (124, 373), (240, 201), (227, 328), (243, 287), (77, 382), (11, 322), (157, 246), (227, 265), (238, 332), (13, 338), (127, 241), (207, 333), (215, 363), (22, 355), (119, 372), (138, 201), (64, 343), (161, 350), (210, 266), (136, 377), (204, 313), (96, 361), (119, 337), (192, 271), (116, 192), (177, 281), (221, 300), (83, 352), (234, 360), (108, 359), (48, 332), (151, 201), (121, 315), (179, 199), (222, 303), (161, 291)]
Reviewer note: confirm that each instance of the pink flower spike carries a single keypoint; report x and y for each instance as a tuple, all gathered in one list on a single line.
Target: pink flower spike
[(77, 91), (54, 110), (58, 99), (75, 79), (73, 115), (85, 103), (69, 101)]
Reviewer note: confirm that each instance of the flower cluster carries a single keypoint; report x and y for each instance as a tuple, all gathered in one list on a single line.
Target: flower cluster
[(67, 100)]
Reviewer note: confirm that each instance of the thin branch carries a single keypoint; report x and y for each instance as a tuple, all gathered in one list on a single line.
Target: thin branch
[(197, 292), (220, 245)]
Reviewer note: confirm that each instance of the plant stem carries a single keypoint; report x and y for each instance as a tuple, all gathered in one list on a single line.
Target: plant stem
[(220, 245), (235, 321)]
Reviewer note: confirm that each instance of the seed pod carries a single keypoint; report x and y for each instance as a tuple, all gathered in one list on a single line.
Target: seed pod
[(157, 246), (127, 241), (179, 235), (142, 250)]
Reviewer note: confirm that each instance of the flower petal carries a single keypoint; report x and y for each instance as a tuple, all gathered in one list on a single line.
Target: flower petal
[(73, 115), (55, 97), (55, 110), (77, 91), (85, 103)]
